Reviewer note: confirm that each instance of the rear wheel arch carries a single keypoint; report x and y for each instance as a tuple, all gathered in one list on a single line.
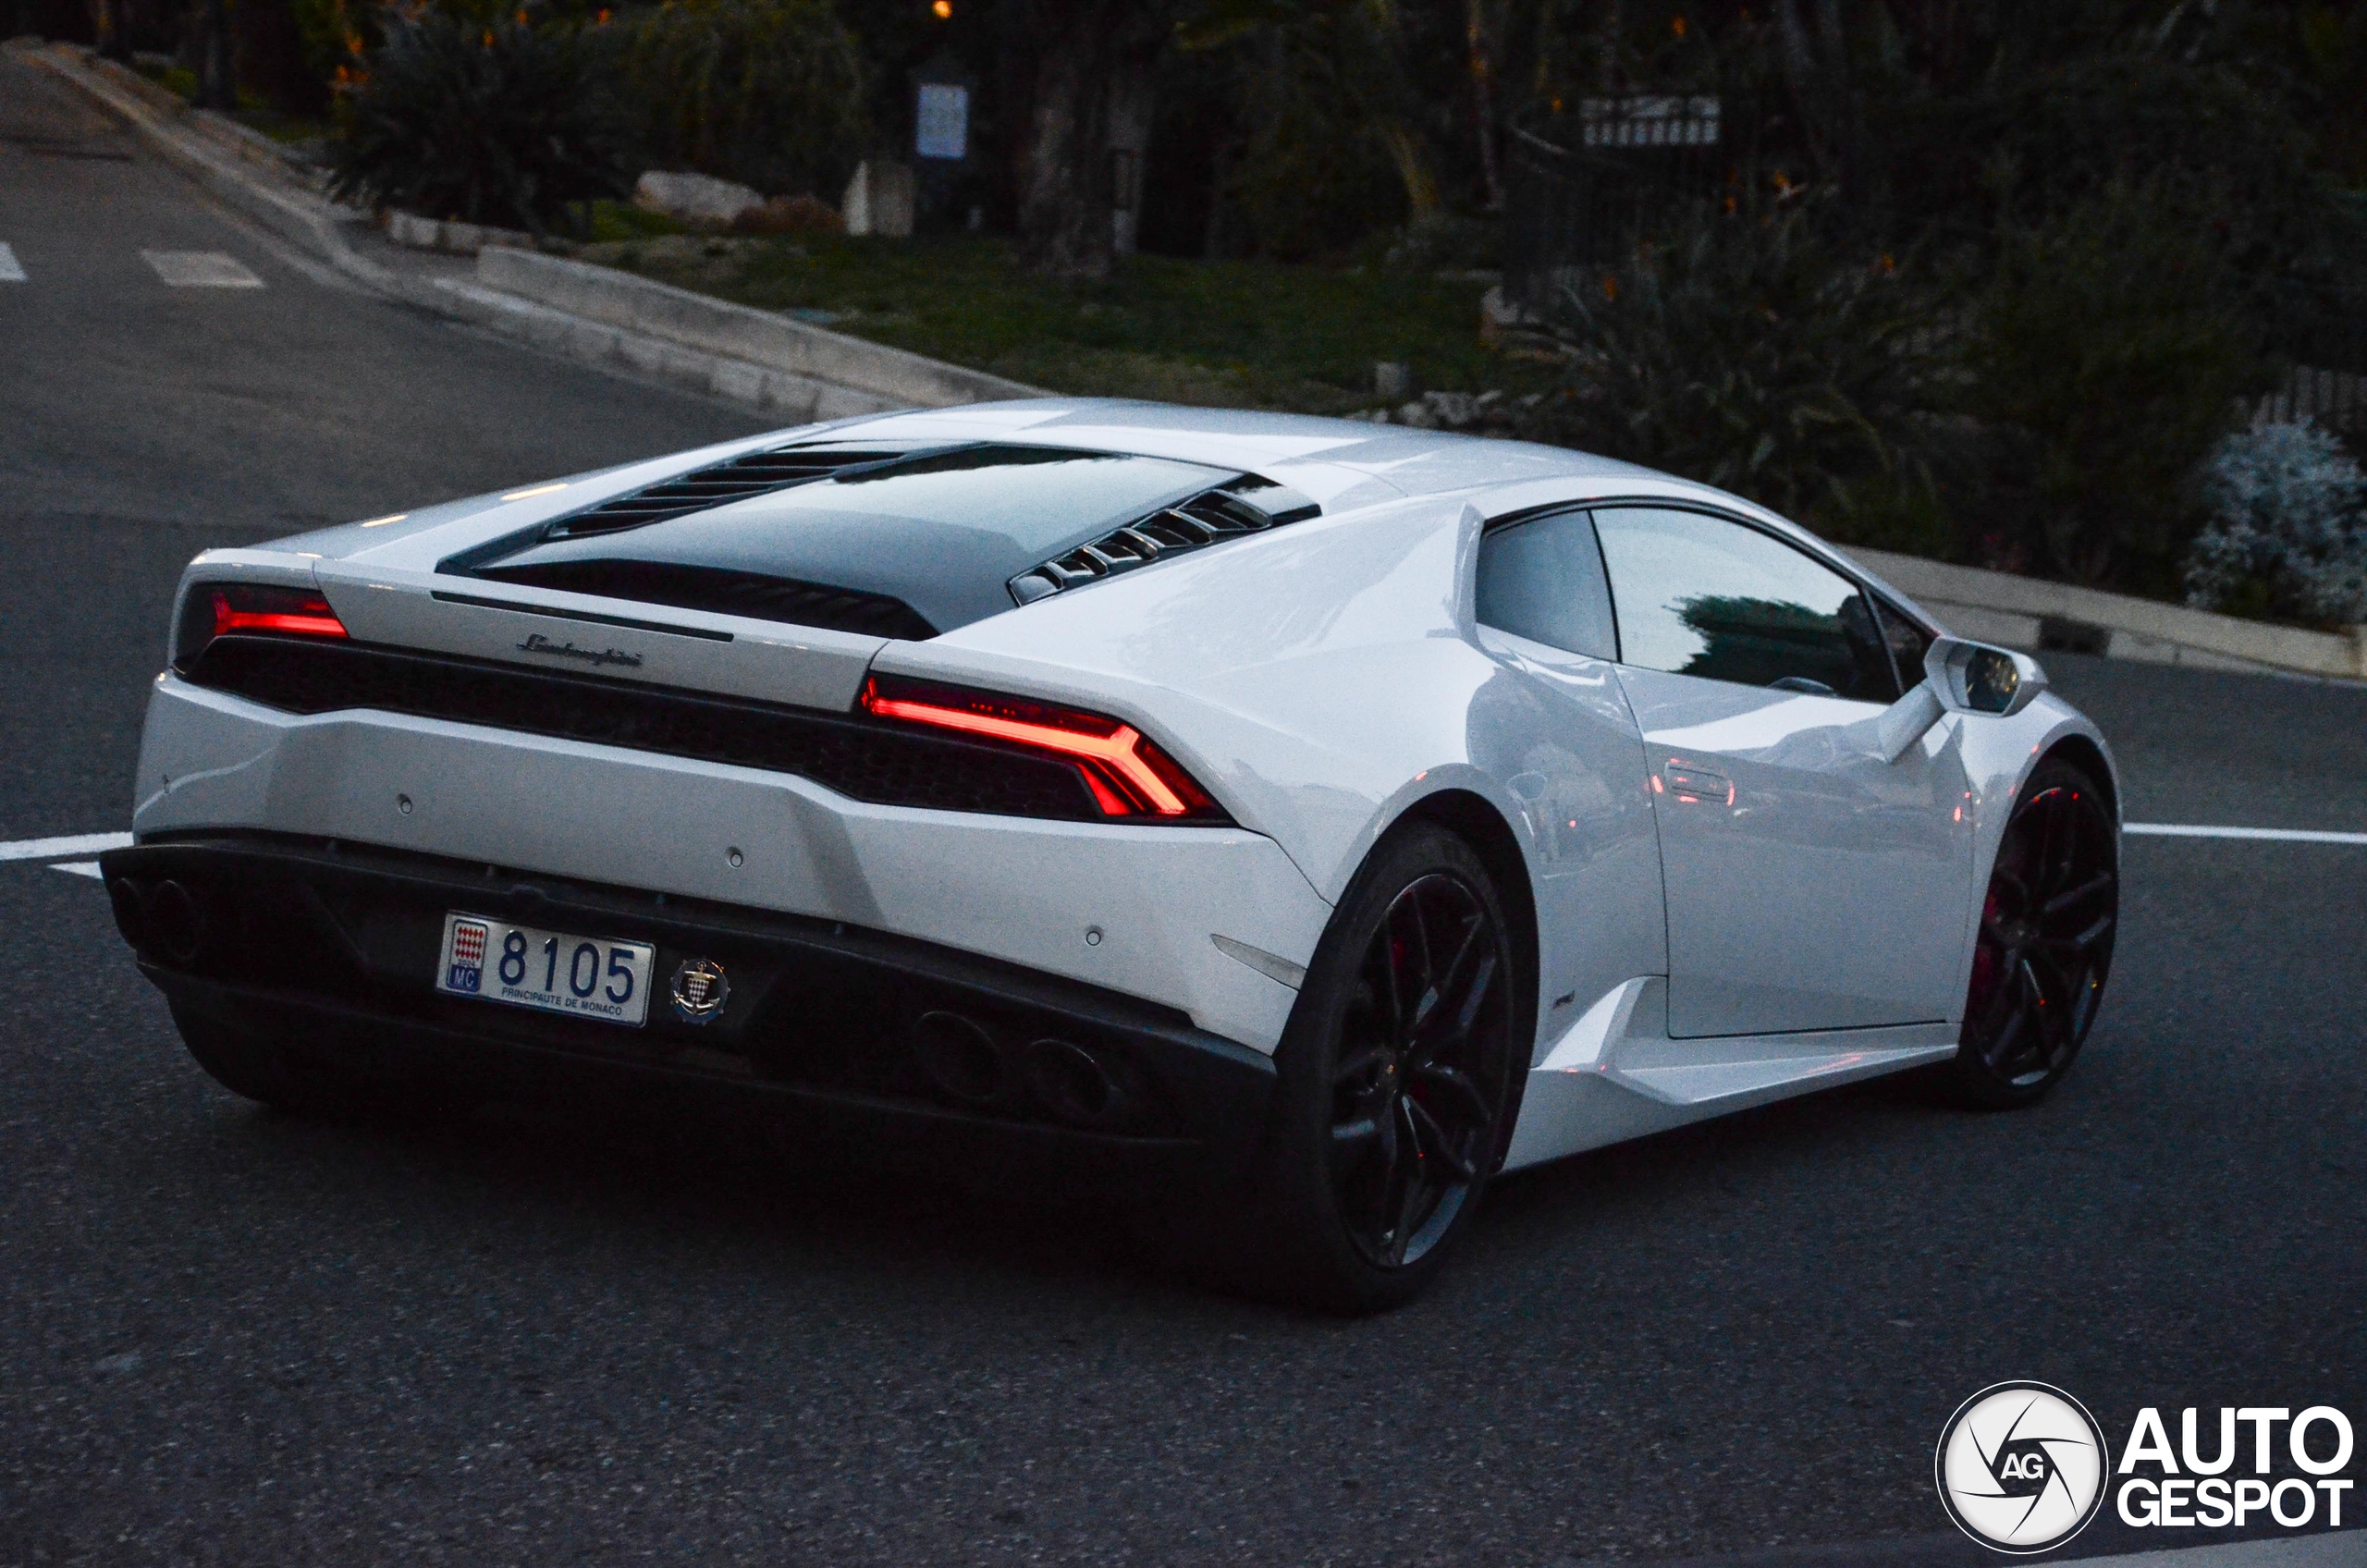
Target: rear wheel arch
[(1333, 1202), (1474, 819)]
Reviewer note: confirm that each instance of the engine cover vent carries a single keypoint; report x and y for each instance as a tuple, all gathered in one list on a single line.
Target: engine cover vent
[(1247, 506), (753, 474)]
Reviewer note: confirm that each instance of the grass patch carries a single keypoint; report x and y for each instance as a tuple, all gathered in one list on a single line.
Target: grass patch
[(611, 223), (252, 112), (1231, 334)]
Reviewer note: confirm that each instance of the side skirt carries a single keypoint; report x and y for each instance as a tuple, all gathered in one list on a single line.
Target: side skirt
[(1615, 1074)]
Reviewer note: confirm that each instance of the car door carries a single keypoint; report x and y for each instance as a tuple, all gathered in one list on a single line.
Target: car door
[(1555, 727), (1812, 884)]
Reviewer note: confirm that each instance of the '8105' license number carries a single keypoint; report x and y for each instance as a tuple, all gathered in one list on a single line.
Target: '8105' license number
[(552, 971)]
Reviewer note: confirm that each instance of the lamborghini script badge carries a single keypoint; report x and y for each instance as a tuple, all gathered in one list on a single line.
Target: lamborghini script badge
[(699, 989), (538, 644)]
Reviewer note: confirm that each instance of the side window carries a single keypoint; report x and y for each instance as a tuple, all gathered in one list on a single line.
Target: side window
[(1542, 580), (1700, 595), (1908, 643)]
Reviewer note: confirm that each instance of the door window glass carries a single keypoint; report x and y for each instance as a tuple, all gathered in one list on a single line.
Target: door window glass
[(1542, 580), (1700, 595)]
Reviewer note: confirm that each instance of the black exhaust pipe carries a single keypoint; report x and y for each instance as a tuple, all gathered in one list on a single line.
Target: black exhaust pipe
[(130, 915), (175, 923), (1080, 1088), (959, 1057)]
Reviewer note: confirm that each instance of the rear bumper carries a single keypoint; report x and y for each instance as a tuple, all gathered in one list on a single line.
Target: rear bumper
[(1123, 909), (332, 948)]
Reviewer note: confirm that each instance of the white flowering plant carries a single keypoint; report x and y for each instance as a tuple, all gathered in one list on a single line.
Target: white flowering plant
[(2288, 535)]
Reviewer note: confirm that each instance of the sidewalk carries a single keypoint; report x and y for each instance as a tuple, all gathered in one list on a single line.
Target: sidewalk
[(801, 372), (2026, 613)]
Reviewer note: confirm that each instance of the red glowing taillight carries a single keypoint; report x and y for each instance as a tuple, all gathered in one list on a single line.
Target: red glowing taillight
[(1129, 775), (219, 609)]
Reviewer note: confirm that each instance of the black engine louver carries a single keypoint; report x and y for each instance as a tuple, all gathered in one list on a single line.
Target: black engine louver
[(754, 474), (1247, 506)]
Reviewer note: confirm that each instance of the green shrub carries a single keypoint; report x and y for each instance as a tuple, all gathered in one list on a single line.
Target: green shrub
[(2287, 537), (2110, 351), (494, 123), (768, 92), (1749, 354)]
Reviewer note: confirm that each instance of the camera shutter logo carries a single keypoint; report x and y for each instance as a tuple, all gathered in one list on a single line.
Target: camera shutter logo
[(2022, 1467)]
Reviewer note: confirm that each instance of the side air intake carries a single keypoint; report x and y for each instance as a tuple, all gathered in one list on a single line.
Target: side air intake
[(1247, 506), (753, 474)]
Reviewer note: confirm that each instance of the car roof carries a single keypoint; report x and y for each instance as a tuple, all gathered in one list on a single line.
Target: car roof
[(1341, 462)]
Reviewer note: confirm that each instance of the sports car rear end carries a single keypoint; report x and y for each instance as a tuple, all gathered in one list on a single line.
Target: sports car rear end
[(596, 783)]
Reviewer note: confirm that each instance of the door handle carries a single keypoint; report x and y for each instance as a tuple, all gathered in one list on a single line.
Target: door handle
[(1697, 786)]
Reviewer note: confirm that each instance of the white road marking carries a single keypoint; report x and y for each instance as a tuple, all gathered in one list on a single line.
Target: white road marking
[(11, 269), (58, 849), (201, 269), (2286, 835), (78, 868), (2326, 1548)]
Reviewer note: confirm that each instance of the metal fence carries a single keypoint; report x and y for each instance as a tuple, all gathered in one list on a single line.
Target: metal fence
[(1585, 183), (2320, 337)]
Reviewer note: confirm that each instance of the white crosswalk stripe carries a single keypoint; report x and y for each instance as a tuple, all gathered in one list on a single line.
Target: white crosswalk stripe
[(2278, 835), (11, 269), (78, 868), (201, 269), (59, 848)]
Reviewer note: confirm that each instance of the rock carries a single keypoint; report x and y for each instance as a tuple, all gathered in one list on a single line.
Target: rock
[(1452, 411), (694, 198), (879, 199), (1419, 415), (1393, 378), (1499, 315)]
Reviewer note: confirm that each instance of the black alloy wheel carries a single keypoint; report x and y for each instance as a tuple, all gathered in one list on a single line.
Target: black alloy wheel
[(1398, 1079), (1410, 1121), (2045, 942)]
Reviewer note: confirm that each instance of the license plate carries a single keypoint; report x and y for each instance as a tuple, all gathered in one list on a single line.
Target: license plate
[(555, 971)]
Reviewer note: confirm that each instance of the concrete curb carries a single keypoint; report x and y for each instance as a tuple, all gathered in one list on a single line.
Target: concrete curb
[(229, 135), (2023, 612), (717, 326), (453, 239), (798, 399)]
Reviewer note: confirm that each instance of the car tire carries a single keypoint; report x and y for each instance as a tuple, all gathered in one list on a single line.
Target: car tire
[(288, 1079), (1391, 1114), (2045, 945)]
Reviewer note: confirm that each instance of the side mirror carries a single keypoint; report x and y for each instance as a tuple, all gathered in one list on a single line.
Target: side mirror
[(1976, 678)]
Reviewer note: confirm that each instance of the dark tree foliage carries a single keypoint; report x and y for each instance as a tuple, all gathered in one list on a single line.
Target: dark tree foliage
[(768, 92), (497, 122), (1755, 353), (2109, 354)]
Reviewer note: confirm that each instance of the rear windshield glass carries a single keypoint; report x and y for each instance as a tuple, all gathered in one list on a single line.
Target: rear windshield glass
[(942, 533)]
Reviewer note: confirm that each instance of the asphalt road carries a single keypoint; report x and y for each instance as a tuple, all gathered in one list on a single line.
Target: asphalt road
[(227, 1335)]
